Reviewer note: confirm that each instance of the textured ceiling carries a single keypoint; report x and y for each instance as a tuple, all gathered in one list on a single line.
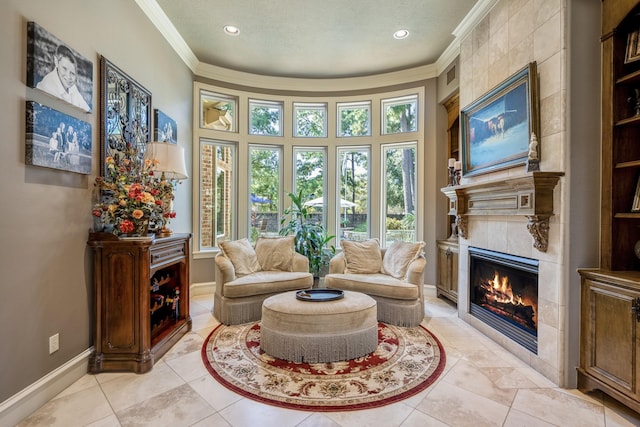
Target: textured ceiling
[(317, 39)]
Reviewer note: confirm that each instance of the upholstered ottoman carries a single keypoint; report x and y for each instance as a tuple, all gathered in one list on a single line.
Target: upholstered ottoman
[(319, 331)]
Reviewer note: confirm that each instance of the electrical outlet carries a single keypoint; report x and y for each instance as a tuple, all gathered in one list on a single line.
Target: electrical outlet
[(54, 343)]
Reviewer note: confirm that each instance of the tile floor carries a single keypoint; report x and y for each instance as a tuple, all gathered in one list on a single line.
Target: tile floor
[(483, 385)]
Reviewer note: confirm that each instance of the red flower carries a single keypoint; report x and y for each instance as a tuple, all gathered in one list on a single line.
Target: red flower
[(96, 212), (126, 226)]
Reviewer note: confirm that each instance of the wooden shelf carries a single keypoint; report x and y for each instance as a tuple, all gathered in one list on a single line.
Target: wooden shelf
[(628, 215), (610, 295), (630, 164), (629, 121), (629, 78)]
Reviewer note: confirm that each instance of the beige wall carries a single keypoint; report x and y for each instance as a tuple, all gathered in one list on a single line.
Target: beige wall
[(46, 271)]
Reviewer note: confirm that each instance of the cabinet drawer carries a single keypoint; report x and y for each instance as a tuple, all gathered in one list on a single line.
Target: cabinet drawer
[(167, 253)]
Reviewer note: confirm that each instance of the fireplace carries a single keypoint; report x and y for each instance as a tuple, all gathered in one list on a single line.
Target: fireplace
[(503, 293)]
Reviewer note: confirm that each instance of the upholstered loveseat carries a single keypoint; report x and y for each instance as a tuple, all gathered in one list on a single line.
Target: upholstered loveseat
[(245, 276), (392, 276)]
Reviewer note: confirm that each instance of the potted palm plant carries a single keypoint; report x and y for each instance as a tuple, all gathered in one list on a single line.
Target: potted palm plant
[(311, 239)]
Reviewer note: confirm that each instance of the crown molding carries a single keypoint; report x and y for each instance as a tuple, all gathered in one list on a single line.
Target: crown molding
[(475, 15), (448, 56), (157, 16), (317, 85)]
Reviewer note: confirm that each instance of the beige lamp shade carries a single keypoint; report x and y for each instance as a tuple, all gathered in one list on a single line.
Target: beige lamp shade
[(170, 159)]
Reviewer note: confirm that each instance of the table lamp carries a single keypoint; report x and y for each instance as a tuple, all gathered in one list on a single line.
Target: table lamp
[(168, 159)]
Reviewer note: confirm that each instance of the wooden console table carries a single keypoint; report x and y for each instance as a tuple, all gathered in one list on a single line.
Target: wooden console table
[(141, 300)]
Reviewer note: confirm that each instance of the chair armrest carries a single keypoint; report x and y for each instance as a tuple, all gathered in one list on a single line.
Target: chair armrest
[(300, 263), (337, 264), (225, 272), (415, 272)]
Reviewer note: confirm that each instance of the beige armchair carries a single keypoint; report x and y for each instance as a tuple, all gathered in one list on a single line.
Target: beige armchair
[(246, 277), (394, 277)]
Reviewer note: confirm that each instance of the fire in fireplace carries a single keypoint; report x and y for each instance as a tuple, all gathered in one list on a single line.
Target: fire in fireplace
[(504, 294)]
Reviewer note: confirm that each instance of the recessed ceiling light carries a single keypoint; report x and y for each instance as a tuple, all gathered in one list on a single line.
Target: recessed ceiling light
[(231, 30), (401, 34)]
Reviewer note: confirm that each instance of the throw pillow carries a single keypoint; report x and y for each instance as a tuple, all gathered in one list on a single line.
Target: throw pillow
[(242, 256), (275, 253), (362, 257), (398, 257)]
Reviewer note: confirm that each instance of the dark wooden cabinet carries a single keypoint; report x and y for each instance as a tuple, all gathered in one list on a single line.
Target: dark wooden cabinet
[(609, 340), (610, 296), (141, 300)]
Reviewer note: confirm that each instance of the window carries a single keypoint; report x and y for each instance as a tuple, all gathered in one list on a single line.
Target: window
[(310, 171), (264, 196), (218, 112), (400, 115), (353, 181), (356, 180), (217, 187), (354, 119), (265, 118), (310, 120), (399, 192)]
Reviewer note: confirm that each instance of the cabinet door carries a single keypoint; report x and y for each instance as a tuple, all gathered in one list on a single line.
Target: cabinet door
[(448, 270), (453, 259), (609, 321)]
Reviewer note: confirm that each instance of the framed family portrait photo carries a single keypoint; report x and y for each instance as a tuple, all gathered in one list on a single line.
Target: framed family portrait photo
[(497, 127), (56, 69), (56, 140)]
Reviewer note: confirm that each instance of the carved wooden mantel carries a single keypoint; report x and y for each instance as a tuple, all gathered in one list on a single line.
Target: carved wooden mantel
[(529, 195)]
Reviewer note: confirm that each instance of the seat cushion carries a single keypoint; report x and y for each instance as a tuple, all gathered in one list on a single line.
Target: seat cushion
[(242, 256), (267, 282), (378, 284), (362, 257), (275, 253), (398, 257)]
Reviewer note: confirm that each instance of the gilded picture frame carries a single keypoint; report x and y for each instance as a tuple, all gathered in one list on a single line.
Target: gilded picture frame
[(497, 127)]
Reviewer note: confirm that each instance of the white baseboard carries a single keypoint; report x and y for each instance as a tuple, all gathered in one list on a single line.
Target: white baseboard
[(24, 403), (203, 288)]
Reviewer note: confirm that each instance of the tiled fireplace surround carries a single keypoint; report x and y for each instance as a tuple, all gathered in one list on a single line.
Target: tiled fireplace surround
[(496, 215), (509, 234)]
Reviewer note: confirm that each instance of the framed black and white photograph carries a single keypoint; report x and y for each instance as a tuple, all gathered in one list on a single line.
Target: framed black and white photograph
[(165, 129), (56, 140), (55, 68), (497, 127)]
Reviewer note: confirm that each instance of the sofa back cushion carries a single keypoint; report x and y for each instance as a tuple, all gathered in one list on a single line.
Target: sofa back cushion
[(398, 256), (275, 253), (362, 257), (242, 256)]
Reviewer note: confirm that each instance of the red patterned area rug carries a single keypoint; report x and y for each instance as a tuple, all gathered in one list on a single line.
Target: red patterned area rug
[(406, 362)]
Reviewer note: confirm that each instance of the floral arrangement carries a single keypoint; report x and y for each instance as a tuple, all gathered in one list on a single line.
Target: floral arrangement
[(130, 197)]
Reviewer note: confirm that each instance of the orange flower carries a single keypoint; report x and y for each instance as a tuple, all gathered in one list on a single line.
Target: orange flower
[(137, 214)]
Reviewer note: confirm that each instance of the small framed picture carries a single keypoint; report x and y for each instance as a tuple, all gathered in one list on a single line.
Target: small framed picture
[(165, 129), (633, 47), (636, 198)]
